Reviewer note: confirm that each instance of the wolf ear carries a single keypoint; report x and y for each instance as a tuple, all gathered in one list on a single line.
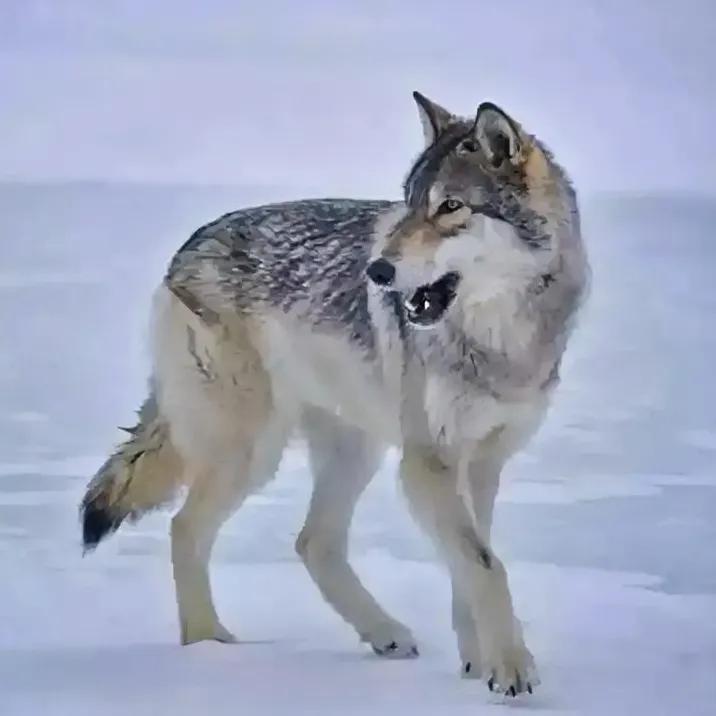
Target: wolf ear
[(499, 135), (433, 117)]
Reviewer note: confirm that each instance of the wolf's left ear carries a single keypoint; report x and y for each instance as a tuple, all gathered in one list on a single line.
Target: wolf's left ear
[(433, 117), (499, 135)]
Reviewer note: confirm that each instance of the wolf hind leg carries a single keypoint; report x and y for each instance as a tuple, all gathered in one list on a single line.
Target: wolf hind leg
[(218, 401), (215, 494), (193, 533), (343, 460)]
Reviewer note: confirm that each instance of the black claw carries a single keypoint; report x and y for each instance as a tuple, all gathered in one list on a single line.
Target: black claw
[(491, 683), (529, 688), (468, 666), (511, 691), (393, 646), (382, 651)]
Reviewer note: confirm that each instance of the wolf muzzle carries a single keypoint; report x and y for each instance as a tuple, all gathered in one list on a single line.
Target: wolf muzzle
[(428, 303)]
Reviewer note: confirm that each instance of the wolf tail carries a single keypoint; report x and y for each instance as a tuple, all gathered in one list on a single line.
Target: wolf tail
[(144, 473)]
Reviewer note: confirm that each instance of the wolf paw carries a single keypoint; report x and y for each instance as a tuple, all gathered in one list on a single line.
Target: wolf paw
[(193, 633), (512, 673), (392, 641)]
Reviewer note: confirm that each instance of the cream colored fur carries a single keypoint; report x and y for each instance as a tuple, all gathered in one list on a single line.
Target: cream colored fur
[(231, 394)]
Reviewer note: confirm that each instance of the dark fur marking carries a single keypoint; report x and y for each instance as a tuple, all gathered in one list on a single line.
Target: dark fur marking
[(97, 523), (136, 457), (426, 167), (191, 346), (485, 557), (544, 282), (194, 305), (393, 300), (474, 546)]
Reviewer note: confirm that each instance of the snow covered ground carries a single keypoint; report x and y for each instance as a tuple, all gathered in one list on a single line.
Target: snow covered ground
[(607, 521)]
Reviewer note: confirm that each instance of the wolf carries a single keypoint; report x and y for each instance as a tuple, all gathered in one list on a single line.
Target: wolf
[(435, 324)]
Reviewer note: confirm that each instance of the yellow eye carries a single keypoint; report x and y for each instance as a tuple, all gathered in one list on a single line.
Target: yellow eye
[(449, 206)]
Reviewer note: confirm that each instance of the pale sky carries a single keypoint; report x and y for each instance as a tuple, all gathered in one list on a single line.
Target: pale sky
[(315, 94)]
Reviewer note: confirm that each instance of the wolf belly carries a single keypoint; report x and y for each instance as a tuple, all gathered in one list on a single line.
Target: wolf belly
[(328, 372)]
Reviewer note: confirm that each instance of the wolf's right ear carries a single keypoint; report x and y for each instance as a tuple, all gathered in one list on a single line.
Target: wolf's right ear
[(433, 117)]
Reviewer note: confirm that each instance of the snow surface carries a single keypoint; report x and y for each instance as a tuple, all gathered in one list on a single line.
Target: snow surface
[(607, 520)]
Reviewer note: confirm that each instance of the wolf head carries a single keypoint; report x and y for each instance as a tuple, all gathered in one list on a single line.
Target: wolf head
[(487, 211)]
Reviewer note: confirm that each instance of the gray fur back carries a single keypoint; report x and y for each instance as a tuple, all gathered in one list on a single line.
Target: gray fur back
[(305, 257)]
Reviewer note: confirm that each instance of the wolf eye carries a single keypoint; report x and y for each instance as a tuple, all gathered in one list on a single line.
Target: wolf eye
[(450, 205)]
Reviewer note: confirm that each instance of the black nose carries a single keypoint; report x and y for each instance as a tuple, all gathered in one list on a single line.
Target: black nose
[(381, 272)]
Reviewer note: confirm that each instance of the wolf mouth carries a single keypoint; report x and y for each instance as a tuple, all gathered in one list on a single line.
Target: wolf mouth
[(429, 302)]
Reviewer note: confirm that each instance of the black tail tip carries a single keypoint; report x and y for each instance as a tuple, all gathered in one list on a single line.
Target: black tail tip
[(97, 523)]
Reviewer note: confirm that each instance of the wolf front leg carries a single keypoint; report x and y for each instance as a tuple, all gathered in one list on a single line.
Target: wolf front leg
[(478, 483), (343, 459), (431, 489)]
